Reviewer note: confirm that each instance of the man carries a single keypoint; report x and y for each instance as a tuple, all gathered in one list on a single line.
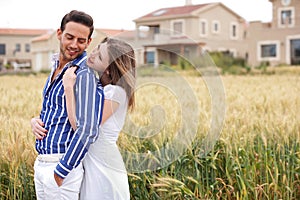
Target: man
[(61, 149)]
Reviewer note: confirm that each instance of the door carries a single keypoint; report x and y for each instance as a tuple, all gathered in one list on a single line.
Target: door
[(295, 52)]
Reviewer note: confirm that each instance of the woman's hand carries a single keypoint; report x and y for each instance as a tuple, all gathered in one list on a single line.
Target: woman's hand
[(69, 78)]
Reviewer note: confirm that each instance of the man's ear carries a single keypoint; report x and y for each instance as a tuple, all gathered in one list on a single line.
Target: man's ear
[(89, 42), (58, 34)]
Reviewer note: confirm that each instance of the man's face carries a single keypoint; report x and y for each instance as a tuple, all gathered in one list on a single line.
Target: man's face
[(73, 41)]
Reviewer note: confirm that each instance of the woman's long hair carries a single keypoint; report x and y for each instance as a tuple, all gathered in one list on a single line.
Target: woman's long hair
[(121, 68)]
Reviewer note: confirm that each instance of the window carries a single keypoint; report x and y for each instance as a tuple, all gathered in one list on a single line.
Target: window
[(178, 27), (268, 50), (159, 12), (150, 57), (233, 30), (2, 49), (203, 27), (27, 48), (18, 48), (156, 30), (215, 27), (286, 17)]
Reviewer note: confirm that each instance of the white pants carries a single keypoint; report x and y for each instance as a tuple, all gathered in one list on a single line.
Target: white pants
[(46, 187)]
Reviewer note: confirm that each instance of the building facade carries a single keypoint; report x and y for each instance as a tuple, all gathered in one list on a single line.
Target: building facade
[(276, 42), (15, 45), (189, 30), (164, 35)]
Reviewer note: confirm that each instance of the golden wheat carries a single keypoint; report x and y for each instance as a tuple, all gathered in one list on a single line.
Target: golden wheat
[(256, 157)]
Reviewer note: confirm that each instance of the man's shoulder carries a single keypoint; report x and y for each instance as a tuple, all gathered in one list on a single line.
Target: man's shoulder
[(84, 70)]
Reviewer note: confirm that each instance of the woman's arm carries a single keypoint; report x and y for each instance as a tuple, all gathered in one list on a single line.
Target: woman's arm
[(69, 80), (70, 101), (109, 108)]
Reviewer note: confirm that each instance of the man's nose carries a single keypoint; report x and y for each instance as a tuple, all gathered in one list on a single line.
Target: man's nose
[(74, 43)]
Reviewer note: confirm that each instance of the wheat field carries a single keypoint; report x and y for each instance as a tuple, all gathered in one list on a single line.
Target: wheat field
[(257, 154)]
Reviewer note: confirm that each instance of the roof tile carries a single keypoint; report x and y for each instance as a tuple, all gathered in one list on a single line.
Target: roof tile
[(174, 11)]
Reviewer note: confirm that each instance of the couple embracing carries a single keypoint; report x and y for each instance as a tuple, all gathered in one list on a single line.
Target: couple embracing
[(82, 115)]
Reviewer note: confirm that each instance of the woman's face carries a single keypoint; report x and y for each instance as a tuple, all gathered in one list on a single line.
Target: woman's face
[(98, 58)]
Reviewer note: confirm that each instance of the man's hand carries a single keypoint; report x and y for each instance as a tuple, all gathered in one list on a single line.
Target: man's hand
[(37, 127), (58, 180)]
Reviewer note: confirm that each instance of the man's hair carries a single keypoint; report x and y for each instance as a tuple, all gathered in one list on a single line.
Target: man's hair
[(78, 17)]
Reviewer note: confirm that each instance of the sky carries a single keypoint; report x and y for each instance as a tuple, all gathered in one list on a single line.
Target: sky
[(111, 14)]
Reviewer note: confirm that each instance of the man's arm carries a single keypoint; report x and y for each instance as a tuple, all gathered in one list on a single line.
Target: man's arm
[(88, 114)]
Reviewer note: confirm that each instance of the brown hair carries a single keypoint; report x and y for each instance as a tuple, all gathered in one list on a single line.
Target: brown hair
[(121, 68), (78, 17)]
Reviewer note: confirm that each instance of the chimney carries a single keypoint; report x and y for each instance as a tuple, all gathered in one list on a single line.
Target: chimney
[(188, 2)]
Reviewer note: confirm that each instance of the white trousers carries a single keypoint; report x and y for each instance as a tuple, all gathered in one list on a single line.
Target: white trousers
[(46, 187)]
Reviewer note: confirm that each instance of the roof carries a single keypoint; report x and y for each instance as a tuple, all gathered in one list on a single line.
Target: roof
[(127, 34), (28, 32), (110, 32), (43, 37), (181, 10)]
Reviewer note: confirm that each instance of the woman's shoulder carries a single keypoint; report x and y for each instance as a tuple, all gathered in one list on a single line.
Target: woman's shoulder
[(114, 92), (115, 88)]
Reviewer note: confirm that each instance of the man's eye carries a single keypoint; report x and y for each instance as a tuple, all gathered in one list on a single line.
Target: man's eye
[(82, 41)]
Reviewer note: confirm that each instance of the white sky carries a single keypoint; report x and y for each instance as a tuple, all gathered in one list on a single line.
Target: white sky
[(115, 14)]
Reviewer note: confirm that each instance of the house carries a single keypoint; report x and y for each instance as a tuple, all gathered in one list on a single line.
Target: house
[(189, 30), (164, 35), (34, 47), (276, 42), (44, 46), (15, 46)]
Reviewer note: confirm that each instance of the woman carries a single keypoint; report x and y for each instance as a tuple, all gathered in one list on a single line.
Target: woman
[(105, 174)]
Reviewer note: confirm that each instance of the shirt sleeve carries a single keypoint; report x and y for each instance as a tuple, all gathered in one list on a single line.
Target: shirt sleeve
[(114, 93), (89, 103)]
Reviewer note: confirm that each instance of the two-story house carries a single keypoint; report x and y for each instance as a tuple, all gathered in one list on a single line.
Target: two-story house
[(167, 33), (15, 45), (188, 30), (276, 42)]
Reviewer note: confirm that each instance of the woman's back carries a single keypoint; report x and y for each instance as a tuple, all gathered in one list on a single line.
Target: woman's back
[(105, 172)]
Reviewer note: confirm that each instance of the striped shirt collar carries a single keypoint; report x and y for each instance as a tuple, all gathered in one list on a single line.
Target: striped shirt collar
[(77, 61)]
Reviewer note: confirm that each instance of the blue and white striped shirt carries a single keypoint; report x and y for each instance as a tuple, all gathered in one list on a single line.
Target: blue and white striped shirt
[(89, 104)]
